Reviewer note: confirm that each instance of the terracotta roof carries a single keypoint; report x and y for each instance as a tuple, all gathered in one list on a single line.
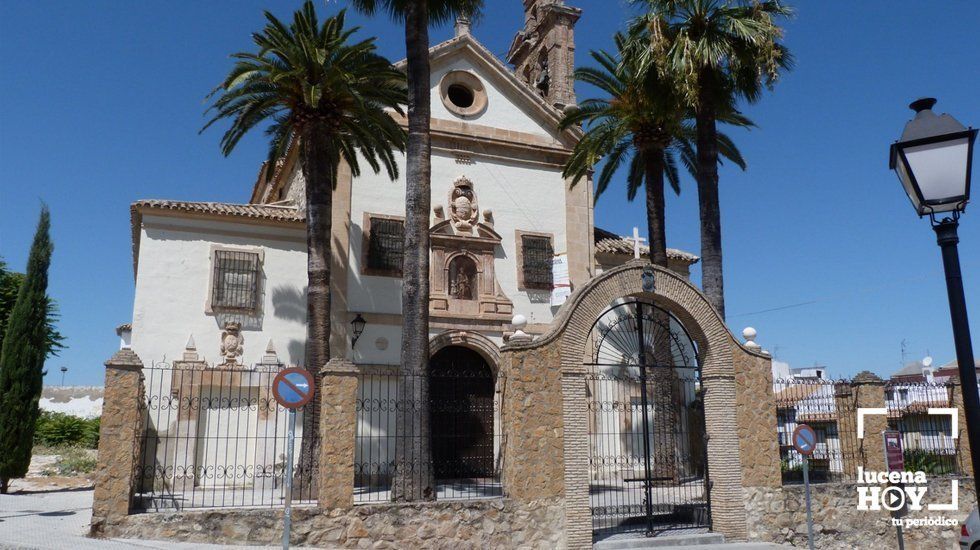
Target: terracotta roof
[(267, 212), (252, 211), (611, 243)]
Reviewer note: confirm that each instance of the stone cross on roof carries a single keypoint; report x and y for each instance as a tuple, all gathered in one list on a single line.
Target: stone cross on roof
[(636, 239)]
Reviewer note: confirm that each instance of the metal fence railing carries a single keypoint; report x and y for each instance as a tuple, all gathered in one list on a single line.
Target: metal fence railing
[(812, 401), (213, 436), (927, 441), (440, 431), (828, 406)]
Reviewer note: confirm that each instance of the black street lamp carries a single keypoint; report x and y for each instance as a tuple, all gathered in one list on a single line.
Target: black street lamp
[(933, 160), (358, 325)]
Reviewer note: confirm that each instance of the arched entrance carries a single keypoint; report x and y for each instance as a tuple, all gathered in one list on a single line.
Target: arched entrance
[(461, 395), (646, 425)]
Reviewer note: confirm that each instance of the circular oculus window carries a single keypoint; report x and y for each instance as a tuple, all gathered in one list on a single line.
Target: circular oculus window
[(463, 93)]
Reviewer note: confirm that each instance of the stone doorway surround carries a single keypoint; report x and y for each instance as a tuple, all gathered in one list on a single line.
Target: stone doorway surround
[(554, 361)]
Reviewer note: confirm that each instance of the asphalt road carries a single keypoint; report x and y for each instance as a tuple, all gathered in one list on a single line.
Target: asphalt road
[(59, 520)]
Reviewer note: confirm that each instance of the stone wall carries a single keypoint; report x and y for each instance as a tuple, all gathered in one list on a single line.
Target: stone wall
[(779, 515), (456, 525), (532, 421), (756, 412)]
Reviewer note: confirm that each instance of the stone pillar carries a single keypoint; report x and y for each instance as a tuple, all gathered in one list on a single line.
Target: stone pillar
[(338, 419), (964, 457), (846, 408), (869, 392), (578, 516), (119, 440)]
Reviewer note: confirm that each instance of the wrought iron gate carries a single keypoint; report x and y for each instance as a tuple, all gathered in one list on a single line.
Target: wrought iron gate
[(647, 445)]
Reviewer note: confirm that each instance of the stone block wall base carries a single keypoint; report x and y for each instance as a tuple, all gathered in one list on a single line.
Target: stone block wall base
[(778, 514), (476, 524)]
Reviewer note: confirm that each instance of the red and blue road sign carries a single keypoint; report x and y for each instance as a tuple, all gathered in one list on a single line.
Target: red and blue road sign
[(804, 440), (293, 387)]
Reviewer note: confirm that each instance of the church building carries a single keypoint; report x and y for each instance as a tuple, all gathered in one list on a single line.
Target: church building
[(509, 235)]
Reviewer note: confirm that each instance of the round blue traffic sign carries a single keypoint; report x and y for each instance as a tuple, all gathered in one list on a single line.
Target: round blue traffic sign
[(293, 387), (804, 440)]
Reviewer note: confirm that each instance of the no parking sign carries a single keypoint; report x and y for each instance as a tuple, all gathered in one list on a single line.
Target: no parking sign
[(292, 388)]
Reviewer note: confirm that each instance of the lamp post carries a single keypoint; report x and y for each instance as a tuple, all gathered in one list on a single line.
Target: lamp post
[(933, 160), (64, 369), (358, 326)]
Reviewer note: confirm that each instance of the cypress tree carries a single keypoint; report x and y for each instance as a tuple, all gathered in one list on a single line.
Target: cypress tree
[(25, 347)]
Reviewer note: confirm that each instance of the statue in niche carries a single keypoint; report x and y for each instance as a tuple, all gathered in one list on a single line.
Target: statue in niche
[(463, 210), (462, 278), (544, 78)]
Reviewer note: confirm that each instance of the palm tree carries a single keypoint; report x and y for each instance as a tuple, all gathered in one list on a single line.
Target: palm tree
[(413, 458), (332, 98), (643, 117), (717, 51)]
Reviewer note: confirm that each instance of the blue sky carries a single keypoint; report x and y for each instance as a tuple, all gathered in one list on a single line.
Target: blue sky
[(101, 103)]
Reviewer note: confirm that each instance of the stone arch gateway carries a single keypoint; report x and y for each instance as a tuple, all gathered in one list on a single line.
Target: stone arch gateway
[(550, 373)]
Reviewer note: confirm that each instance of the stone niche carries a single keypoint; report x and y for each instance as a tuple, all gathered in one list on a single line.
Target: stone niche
[(462, 280)]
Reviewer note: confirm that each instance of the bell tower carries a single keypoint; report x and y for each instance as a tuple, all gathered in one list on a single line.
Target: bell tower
[(543, 52)]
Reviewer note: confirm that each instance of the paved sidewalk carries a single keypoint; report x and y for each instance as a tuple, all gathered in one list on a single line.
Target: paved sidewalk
[(60, 519)]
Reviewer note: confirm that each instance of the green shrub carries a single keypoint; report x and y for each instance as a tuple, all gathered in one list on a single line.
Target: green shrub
[(930, 463), (54, 429), (72, 462)]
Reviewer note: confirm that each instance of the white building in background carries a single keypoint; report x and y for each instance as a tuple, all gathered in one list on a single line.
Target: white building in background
[(220, 281)]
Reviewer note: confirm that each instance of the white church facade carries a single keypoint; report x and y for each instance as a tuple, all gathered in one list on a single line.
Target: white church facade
[(220, 305), (509, 235)]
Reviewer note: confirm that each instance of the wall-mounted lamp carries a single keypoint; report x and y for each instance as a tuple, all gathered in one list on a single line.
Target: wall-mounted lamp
[(358, 325)]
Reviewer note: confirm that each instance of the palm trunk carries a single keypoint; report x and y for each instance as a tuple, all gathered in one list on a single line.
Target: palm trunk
[(320, 174), (712, 279), (656, 206), (413, 478)]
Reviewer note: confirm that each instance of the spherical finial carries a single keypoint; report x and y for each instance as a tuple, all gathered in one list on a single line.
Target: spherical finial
[(519, 322), (749, 334)]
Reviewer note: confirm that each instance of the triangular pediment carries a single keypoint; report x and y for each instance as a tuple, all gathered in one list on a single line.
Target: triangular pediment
[(511, 104)]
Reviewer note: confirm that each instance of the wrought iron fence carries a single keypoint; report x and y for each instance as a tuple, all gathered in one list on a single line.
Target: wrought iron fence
[(829, 407), (440, 432), (927, 439), (648, 466), (822, 404), (213, 436)]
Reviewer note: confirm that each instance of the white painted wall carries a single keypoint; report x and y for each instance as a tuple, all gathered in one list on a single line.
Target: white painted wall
[(502, 108), (522, 196), (172, 289), (81, 401)]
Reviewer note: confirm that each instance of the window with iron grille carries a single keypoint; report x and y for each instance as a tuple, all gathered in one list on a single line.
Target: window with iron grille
[(385, 245), (537, 254), (236, 280)]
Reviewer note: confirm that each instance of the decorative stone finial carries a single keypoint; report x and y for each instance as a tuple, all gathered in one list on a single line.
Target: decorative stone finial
[(462, 25), (519, 322), (270, 357), (190, 350), (488, 217), (749, 334)]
